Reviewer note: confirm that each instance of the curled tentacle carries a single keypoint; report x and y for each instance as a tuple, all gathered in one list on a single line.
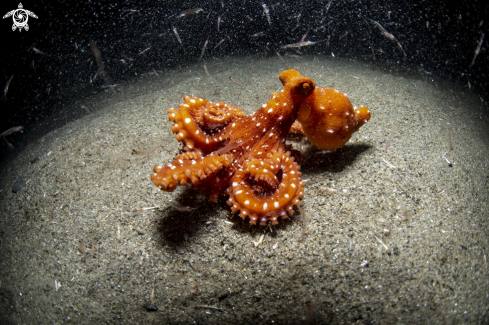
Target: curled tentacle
[(199, 123), (189, 166), (217, 116), (266, 189)]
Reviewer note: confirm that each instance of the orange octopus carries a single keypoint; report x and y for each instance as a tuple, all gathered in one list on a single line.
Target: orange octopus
[(229, 154)]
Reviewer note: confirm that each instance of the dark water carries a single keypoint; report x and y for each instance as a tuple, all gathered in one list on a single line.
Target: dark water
[(53, 64)]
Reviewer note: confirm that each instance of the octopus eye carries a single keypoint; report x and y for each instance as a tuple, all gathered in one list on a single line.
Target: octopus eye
[(305, 88)]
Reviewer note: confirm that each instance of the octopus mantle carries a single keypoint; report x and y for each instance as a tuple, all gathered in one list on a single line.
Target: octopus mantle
[(229, 154)]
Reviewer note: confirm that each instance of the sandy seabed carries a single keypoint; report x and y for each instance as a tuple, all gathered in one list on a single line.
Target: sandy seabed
[(398, 229)]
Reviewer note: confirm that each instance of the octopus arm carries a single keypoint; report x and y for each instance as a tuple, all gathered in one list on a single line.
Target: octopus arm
[(189, 167), (266, 189), (201, 124)]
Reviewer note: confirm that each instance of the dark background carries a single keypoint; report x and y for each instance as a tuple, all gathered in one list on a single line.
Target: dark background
[(438, 37)]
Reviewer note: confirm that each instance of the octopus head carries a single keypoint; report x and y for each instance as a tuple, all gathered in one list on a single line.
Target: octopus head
[(329, 119), (299, 85)]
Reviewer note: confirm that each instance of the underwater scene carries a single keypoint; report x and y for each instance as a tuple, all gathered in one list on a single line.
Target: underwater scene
[(246, 162)]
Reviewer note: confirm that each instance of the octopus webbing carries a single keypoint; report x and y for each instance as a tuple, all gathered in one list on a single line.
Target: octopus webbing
[(244, 158)]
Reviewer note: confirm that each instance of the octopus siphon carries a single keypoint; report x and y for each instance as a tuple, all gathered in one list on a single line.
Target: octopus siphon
[(244, 158)]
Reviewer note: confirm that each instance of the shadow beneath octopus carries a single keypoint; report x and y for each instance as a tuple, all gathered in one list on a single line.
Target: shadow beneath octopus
[(177, 226), (315, 161)]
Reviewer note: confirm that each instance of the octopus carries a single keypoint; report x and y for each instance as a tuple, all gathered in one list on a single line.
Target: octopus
[(244, 158)]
